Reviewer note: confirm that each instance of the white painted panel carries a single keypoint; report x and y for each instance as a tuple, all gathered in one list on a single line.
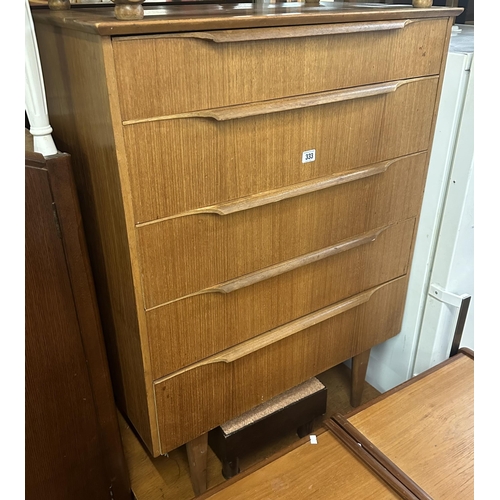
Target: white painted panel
[(392, 362), (453, 268)]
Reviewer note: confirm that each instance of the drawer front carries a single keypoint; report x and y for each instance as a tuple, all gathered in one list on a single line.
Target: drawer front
[(186, 255), (202, 325), (183, 164), (204, 396), (165, 74)]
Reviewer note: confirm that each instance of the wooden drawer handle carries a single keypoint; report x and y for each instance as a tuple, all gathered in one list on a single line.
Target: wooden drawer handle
[(290, 265), (276, 334), (286, 103), (249, 35), (276, 195), (284, 267)]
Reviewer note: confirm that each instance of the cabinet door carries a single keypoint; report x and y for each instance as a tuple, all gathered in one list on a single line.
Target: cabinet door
[(68, 450)]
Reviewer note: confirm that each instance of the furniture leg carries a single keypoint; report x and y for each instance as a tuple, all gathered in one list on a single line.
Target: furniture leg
[(305, 429), (358, 374), (230, 468), (197, 457)]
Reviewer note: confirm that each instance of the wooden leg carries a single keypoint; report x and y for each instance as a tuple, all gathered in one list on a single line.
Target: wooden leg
[(197, 457), (358, 374), (305, 429), (230, 468)]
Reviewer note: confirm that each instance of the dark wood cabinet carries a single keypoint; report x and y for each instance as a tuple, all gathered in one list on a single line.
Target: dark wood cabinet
[(73, 447)]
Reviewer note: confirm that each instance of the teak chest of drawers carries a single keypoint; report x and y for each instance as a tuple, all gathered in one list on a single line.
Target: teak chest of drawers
[(251, 181)]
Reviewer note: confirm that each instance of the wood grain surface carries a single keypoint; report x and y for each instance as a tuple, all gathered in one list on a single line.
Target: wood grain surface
[(169, 178), (284, 193), (238, 111), (202, 398), (223, 320), (427, 429), (284, 331), (168, 476), (364, 447), (374, 465), (56, 374), (320, 472), (382, 416), (139, 183), (185, 255), (286, 67), (176, 18), (73, 446), (81, 116)]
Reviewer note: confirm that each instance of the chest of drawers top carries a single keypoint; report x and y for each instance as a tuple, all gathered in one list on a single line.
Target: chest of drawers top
[(181, 18)]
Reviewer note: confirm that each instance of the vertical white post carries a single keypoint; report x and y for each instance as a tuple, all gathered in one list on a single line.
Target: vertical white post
[(35, 101)]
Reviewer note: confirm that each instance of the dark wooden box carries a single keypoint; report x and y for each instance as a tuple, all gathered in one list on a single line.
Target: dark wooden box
[(270, 420)]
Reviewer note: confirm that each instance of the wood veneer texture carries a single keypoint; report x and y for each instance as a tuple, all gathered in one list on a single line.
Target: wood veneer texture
[(427, 429), (205, 250), (186, 18), (323, 471), (76, 72), (73, 446), (288, 66), (169, 178), (223, 317), (142, 260), (203, 393)]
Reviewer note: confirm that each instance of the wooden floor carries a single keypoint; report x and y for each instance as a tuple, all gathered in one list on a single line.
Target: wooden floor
[(168, 477)]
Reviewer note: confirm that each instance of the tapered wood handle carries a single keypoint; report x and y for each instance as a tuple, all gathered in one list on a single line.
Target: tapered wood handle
[(284, 267), (246, 35), (276, 334), (276, 195), (291, 103), (290, 265), (284, 103), (284, 331), (300, 189)]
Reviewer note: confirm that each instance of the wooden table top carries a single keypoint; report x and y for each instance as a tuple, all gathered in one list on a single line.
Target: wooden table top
[(310, 471), (427, 429)]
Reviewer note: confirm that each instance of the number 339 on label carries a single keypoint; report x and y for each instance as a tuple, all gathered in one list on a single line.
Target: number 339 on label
[(308, 156)]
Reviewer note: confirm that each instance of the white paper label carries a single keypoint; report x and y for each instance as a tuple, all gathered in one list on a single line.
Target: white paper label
[(313, 439), (308, 156)]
